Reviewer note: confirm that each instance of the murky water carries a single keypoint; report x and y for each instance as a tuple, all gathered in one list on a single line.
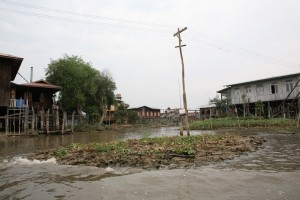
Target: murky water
[(273, 172)]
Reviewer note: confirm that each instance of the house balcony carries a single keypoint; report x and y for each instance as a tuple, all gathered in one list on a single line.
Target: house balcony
[(18, 103)]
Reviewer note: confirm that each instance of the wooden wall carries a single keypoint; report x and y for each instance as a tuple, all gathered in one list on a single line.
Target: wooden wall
[(5, 77)]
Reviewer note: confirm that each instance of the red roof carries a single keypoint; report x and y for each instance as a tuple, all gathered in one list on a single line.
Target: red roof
[(42, 84)]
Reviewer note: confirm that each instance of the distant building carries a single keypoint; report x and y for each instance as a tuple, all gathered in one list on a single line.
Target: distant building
[(208, 111), (278, 95), (146, 112)]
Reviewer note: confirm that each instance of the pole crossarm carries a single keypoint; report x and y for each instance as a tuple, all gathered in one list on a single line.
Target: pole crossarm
[(179, 31)]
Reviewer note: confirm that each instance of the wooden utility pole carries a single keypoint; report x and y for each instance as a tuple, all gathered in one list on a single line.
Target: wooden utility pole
[(183, 80)]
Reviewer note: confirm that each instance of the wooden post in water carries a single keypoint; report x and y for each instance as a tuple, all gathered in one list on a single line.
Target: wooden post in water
[(72, 125), (57, 119), (20, 110), (32, 121), (298, 122), (26, 120), (64, 123), (7, 121), (42, 120), (47, 121)]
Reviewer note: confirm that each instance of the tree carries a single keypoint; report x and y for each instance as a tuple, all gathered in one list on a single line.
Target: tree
[(83, 86), (220, 104), (259, 108), (121, 113), (104, 96)]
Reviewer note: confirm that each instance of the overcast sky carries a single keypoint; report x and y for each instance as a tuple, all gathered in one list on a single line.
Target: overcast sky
[(227, 42)]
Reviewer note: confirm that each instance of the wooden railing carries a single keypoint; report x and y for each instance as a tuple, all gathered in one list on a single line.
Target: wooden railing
[(18, 103)]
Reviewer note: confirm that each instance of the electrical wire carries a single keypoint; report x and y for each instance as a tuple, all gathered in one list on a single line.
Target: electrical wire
[(85, 21), (87, 15), (144, 26), (229, 48)]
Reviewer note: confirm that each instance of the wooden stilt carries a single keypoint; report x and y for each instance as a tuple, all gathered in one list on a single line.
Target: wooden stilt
[(57, 119), (7, 122), (20, 110), (26, 120), (47, 121), (42, 120), (32, 121), (72, 125)]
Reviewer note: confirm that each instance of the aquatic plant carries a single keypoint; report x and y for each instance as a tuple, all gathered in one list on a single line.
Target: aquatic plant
[(60, 153)]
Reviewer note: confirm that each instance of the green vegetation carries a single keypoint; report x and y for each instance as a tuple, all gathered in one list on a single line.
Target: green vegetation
[(221, 105), (182, 145), (123, 115), (84, 87), (60, 153), (241, 122)]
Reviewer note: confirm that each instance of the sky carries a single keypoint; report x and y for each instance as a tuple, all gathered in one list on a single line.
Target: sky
[(227, 42)]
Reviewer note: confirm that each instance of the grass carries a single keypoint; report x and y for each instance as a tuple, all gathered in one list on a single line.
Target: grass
[(241, 122)]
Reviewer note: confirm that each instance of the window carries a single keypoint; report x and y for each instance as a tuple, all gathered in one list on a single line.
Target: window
[(248, 90), (289, 86), (259, 89), (274, 88), (237, 91)]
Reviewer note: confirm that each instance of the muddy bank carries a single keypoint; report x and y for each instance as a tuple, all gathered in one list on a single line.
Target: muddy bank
[(154, 153)]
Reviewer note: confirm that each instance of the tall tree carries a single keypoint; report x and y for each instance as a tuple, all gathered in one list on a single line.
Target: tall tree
[(76, 77), (104, 96), (83, 86)]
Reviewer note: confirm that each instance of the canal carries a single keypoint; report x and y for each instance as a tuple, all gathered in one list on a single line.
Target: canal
[(272, 172)]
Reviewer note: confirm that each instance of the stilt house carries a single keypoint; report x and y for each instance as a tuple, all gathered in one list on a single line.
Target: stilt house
[(27, 108), (269, 97)]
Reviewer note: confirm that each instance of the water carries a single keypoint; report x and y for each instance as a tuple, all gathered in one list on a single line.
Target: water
[(273, 172)]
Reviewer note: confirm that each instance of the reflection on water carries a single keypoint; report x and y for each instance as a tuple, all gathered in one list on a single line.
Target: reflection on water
[(19, 145)]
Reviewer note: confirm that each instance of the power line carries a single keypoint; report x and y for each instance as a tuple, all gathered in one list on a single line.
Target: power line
[(144, 26), (85, 21), (86, 15), (230, 48)]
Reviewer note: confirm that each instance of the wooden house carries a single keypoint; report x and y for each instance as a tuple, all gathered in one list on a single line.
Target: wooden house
[(9, 67), (276, 96), (146, 112), (208, 111), (27, 108), (37, 94)]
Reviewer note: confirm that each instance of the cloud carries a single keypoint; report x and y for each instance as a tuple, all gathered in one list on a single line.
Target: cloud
[(143, 61)]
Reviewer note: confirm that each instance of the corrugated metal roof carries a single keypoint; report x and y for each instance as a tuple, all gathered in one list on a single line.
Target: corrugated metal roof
[(265, 79), (257, 81)]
